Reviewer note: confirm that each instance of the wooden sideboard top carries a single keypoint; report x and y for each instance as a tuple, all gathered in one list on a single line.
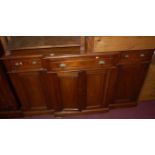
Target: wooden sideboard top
[(36, 42)]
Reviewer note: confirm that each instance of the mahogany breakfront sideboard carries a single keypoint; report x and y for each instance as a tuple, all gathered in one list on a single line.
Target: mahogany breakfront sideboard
[(73, 75)]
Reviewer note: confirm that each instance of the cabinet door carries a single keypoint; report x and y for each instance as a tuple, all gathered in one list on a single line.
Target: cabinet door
[(7, 99), (66, 90), (99, 88), (129, 82), (30, 89)]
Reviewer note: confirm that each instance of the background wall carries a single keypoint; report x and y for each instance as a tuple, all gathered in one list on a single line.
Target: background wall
[(102, 44), (148, 90)]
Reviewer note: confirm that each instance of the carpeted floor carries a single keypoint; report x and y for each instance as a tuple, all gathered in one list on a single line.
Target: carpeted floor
[(144, 110)]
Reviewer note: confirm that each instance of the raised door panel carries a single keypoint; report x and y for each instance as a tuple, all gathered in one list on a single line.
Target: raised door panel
[(65, 91), (69, 90), (30, 90), (100, 88), (111, 86), (129, 82), (96, 84)]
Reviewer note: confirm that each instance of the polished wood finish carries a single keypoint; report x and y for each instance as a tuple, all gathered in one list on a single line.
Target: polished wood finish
[(83, 84), (79, 61), (132, 70), (129, 81), (82, 44), (66, 76), (24, 64), (30, 90), (136, 56), (31, 42), (67, 87), (89, 42), (123, 43), (97, 84)]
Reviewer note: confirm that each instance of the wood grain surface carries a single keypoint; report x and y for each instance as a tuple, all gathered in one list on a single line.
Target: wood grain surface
[(31, 42), (119, 43)]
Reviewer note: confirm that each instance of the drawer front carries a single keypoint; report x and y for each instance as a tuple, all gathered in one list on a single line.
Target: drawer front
[(78, 63), (136, 56), (23, 64)]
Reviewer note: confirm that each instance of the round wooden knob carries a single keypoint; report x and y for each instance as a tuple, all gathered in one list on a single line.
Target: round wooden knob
[(142, 55), (101, 62), (62, 65), (126, 56), (34, 62), (18, 64)]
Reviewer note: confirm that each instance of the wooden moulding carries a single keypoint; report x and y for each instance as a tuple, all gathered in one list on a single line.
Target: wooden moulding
[(82, 44), (89, 44), (83, 112), (4, 41), (11, 114)]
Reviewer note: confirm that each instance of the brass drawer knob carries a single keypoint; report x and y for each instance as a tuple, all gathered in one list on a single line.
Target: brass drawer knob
[(142, 55), (18, 64), (34, 62), (101, 62), (62, 65), (126, 56)]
